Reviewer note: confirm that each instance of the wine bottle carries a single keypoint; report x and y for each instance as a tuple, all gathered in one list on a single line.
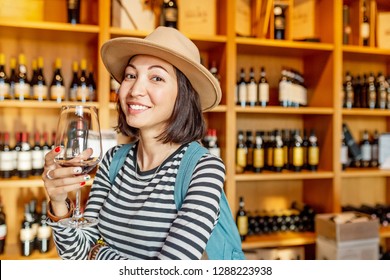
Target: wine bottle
[(169, 13), (214, 71), (365, 147), (73, 7), (22, 85), (82, 89), (305, 147), (252, 89), (263, 87), (364, 92), (213, 145), (45, 146), (297, 151), (286, 146), (34, 220), (278, 158), (3, 228), (91, 86), (365, 25), (269, 148), (44, 230), (242, 220), (12, 78), (279, 23), (284, 89), (381, 91), (242, 90), (4, 81), (39, 88), (241, 151), (24, 162), (357, 89), (26, 233), (37, 156), (74, 85), (57, 87), (346, 25), (313, 152), (258, 152), (348, 91), (375, 150), (249, 143), (6, 157), (371, 91)]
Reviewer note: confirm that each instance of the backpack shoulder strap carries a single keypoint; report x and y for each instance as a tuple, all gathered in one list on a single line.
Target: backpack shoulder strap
[(118, 160), (190, 158)]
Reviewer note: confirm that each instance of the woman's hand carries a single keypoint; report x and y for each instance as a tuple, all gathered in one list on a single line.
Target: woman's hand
[(59, 180)]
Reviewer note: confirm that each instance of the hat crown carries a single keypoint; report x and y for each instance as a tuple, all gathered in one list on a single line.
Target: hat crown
[(171, 39)]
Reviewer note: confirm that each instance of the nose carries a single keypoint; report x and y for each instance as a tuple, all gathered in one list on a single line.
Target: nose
[(137, 88)]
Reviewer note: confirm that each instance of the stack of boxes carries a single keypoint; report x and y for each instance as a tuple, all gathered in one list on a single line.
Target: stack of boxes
[(347, 236)]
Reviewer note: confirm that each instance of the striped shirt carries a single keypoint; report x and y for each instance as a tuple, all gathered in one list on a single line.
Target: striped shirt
[(137, 214)]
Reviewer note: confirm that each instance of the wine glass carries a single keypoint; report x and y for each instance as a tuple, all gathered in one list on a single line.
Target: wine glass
[(78, 133)]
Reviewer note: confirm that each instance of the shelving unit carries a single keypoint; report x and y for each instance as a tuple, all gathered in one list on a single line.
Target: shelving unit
[(323, 65)]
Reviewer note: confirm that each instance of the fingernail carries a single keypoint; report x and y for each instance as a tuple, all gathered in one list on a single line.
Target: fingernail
[(82, 183), (57, 149), (77, 170), (87, 177)]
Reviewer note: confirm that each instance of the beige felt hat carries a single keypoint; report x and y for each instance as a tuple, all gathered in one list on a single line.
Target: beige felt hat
[(169, 44)]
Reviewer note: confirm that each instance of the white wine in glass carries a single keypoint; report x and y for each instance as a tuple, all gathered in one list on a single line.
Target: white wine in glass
[(78, 133)]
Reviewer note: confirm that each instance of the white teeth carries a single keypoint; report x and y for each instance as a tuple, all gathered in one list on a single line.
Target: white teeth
[(138, 107)]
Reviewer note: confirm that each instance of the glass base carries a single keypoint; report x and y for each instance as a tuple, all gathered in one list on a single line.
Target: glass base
[(81, 222)]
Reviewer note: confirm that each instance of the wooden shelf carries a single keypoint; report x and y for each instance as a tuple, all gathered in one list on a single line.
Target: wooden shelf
[(279, 239), (365, 53), (365, 173), (284, 110), (366, 112), (34, 104), (283, 176), (12, 252)]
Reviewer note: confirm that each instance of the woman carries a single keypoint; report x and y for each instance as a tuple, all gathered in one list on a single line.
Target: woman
[(163, 91)]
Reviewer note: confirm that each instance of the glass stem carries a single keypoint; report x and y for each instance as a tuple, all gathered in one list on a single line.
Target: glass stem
[(76, 212)]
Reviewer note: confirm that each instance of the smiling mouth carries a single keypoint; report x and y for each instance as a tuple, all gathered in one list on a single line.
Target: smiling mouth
[(138, 107)]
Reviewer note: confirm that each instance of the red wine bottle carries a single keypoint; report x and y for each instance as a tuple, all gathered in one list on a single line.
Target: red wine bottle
[(37, 156), (6, 158), (24, 162)]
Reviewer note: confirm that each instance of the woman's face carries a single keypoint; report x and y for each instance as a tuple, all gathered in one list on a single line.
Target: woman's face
[(148, 93)]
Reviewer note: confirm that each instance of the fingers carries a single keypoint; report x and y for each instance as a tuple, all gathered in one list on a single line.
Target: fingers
[(62, 186), (49, 158)]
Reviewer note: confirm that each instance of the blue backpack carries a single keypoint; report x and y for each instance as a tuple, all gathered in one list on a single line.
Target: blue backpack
[(224, 242)]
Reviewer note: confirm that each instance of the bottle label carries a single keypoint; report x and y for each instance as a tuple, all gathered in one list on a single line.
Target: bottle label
[(242, 93), (44, 232), (4, 91), (264, 92), (82, 93), (365, 30), (297, 156), (3, 231), (170, 14), (57, 93), (241, 157), (26, 234), (24, 160), (279, 23), (215, 151), (270, 156), (278, 157), (40, 92), (37, 159), (252, 92), (283, 91), (73, 93), (22, 91), (313, 158), (366, 152), (6, 161), (242, 225), (344, 155), (258, 158)]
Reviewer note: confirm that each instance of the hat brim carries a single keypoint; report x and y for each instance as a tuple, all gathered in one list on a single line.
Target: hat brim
[(116, 53)]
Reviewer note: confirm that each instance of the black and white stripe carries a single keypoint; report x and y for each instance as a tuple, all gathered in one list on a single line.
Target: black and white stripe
[(139, 220)]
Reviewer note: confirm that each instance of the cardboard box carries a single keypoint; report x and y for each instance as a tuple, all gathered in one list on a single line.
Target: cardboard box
[(364, 249), (133, 15), (349, 231), (285, 253), (197, 17), (383, 30), (30, 10), (303, 19)]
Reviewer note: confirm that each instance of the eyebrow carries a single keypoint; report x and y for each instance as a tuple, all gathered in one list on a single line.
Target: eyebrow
[(150, 67)]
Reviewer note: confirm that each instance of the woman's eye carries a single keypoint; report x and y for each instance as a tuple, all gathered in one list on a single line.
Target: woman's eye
[(129, 76), (157, 79)]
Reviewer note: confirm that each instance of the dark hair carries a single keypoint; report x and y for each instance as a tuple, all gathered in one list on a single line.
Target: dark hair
[(186, 123)]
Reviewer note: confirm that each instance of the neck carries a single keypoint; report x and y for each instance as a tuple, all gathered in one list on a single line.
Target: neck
[(151, 154)]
